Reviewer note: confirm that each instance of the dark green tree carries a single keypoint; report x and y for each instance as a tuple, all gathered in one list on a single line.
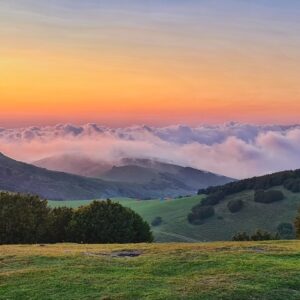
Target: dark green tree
[(58, 224), (200, 213), (108, 222), (156, 221), (261, 235), (286, 231), (241, 236), (297, 225), (23, 219), (235, 205)]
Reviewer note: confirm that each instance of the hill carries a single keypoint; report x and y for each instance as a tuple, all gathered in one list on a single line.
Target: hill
[(156, 172), (175, 227), (210, 271), (74, 164), (17, 176), (222, 226)]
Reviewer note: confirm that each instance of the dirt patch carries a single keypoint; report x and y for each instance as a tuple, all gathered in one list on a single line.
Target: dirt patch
[(126, 253), (122, 253), (255, 249)]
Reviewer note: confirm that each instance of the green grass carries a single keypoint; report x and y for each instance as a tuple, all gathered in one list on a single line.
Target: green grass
[(249, 270), (222, 226)]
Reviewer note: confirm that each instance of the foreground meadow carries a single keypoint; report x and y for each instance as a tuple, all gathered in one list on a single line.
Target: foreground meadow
[(229, 270)]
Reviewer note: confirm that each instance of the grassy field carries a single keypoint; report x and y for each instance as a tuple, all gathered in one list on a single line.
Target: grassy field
[(228, 270), (222, 226)]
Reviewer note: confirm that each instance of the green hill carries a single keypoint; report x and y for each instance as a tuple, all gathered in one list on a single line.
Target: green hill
[(210, 271), (222, 226)]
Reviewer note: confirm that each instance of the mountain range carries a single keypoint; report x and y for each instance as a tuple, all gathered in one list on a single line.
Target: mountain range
[(134, 178)]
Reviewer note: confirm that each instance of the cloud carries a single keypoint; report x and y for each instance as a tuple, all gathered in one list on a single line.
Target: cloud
[(232, 149)]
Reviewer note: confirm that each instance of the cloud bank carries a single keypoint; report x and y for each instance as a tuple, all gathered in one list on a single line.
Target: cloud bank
[(231, 149)]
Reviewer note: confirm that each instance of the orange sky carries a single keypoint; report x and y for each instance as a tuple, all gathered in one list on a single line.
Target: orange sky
[(155, 70)]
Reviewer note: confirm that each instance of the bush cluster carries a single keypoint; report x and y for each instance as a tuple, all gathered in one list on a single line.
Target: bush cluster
[(268, 196), (156, 221), (259, 235), (28, 219), (213, 199), (235, 205), (286, 231), (297, 225), (200, 213), (292, 185)]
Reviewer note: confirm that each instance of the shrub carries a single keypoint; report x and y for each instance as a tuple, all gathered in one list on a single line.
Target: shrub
[(268, 196), (156, 221), (213, 199), (200, 213), (241, 236), (292, 185), (259, 235), (108, 222), (23, 219), (58, 224), (286, 230), (235, 205), (297, 225), (28, 219)]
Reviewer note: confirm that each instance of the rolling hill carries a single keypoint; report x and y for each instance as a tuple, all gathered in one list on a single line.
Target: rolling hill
[(222, 226), (148, 170), (74, 164), (17, 176), (152, 178)]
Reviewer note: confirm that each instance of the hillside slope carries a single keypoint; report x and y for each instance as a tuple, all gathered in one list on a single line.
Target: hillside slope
[(155, 178), (21, 177), (74, 164), (176, 228), (17, 176)]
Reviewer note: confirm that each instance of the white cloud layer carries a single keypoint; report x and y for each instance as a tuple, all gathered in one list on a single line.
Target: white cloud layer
[(231, 149)]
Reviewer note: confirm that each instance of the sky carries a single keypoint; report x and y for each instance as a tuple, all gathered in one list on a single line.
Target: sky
[(156, 62)]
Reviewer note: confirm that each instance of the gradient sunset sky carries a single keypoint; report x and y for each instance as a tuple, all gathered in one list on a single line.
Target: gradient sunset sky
[(155, 62)]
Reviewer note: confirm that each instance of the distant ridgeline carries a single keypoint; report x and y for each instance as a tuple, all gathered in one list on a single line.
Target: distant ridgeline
[(289, 179), (205, 209)]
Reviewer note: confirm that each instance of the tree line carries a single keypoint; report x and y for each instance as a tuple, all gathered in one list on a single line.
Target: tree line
[(27, 219), (290, 180)]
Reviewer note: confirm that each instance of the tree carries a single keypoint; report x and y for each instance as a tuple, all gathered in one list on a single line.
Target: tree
[(292, 185), (58, 224), (297, 225), (262, 196), (286, 230), (23, 219), (28, 219), (200, 213), (213, 199), (156, 221), (108, 222), (235, 205), (261, 235), (241, 236)]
